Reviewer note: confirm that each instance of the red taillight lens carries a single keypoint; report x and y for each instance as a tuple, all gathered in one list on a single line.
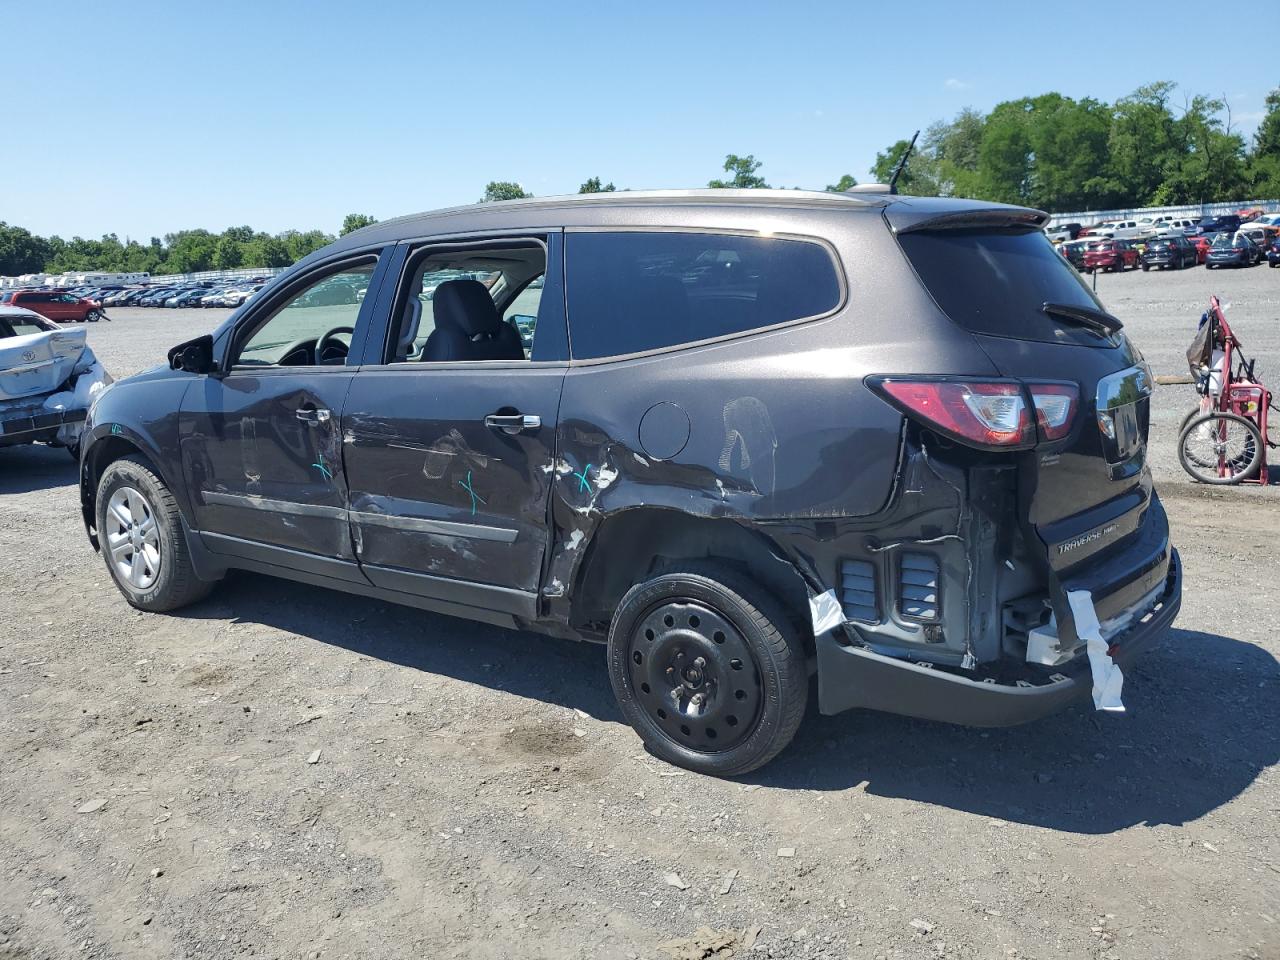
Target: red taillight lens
[(987, 414), (1055, 405)]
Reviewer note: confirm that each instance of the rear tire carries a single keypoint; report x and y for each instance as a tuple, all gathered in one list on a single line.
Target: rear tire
[(708, 669), (141, 536)]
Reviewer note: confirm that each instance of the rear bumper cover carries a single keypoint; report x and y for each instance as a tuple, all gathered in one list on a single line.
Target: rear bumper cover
[(851, 677), (23, 425)]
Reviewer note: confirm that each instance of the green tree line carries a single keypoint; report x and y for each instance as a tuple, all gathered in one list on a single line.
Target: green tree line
[(186, 251), (1151, 148)]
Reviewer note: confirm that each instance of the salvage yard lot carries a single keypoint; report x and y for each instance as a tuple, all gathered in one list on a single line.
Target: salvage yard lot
[(477, 793)]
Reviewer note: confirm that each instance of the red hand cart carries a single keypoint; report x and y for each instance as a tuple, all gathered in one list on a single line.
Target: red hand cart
[(1224, 440)]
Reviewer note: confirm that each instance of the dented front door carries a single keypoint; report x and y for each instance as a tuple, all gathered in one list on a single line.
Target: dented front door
[(262, 454)]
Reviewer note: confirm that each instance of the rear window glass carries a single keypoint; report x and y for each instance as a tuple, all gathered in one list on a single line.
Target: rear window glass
[(995, 282), (632, 292)]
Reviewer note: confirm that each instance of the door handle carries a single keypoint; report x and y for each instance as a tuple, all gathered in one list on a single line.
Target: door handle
[(513, 423), (312, 414)]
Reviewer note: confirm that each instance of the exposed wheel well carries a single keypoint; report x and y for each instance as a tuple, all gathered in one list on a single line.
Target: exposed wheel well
[(640, 542), (101, 455)]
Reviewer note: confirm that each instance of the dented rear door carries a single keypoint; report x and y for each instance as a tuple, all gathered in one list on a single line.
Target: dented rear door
[(449, 468)]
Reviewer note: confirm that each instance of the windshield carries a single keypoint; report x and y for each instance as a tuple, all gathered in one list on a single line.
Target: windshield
[(1222, 241)]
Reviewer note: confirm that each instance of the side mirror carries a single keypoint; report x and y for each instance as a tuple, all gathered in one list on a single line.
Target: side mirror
[(194, 356)]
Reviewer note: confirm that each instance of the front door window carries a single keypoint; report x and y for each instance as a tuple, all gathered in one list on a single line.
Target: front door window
[(314, 327)]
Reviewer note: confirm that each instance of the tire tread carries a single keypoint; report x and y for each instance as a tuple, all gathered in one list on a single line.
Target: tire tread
[(782, 643), (184, 587)]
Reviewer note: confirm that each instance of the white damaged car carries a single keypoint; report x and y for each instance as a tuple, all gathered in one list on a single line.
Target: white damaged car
[(48, 379)]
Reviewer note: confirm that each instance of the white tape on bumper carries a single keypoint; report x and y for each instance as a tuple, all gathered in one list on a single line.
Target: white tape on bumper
[(1108, 681), (826, 612)]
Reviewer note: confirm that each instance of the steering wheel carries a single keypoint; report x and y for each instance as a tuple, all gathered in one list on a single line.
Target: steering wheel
[(329, 350)]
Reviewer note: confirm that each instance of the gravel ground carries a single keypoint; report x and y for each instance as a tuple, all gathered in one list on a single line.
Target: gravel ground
[(285, 772)]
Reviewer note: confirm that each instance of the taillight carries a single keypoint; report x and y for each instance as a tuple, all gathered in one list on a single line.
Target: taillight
[(988, 414), (980, 413), (1055, 405)]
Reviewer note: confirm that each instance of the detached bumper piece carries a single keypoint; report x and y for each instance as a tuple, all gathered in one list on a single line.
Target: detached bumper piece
[(850, 676), (18, 426)]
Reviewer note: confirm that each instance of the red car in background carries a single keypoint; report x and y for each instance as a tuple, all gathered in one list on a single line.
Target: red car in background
[(1202, 244), (1110, 255), (56, 305)]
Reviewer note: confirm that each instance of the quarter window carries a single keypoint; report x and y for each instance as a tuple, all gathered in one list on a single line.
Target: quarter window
[(633, 292)]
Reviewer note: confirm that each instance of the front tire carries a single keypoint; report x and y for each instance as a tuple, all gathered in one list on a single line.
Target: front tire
[(143, 545), (93, 316), (708, 669)]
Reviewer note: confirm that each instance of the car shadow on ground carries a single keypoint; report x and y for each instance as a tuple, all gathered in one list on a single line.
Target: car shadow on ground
[(35, 467), (1202, 723), (525, 664), (1203, 717)]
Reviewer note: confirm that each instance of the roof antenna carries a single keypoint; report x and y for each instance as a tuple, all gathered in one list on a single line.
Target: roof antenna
[(893, 181)]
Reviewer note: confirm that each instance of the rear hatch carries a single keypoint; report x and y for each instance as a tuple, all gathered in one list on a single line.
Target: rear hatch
[(1087, 498), (39, 362)]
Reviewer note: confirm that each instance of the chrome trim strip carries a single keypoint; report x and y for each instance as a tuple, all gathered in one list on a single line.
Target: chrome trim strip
[(474, 531), (251, 502)]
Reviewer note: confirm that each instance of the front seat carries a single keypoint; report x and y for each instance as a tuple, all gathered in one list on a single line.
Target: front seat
[(468, 326)]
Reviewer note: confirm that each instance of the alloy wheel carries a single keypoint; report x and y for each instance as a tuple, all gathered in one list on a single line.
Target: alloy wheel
[(133, 538)]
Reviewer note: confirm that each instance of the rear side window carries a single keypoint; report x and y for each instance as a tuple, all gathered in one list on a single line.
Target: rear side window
[(632, 292), (995, 282)]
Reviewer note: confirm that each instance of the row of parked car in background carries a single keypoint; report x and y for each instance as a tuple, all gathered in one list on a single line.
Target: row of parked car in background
[(1231, 240), (202, 294), (89, 304)]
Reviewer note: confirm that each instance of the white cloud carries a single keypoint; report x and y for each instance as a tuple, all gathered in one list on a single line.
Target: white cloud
[(952, 83)]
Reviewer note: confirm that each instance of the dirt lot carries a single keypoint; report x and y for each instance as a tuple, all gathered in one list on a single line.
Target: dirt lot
[(474, 791)]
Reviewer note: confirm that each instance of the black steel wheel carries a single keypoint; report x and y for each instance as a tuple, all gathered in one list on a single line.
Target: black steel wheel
[(708, 669), (1220, 448)]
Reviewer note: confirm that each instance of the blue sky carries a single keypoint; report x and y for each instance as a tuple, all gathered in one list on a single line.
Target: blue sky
[(144, 118)]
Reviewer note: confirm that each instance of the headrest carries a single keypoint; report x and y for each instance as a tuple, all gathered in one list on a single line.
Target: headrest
[(465, 305)]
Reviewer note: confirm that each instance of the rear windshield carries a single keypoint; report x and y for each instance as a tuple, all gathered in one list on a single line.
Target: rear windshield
[(995, 282)]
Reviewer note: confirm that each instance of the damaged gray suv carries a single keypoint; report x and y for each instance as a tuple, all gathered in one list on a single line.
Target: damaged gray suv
[(746, 439)]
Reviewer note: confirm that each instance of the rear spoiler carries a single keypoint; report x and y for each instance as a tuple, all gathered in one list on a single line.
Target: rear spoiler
[(903, 219)]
